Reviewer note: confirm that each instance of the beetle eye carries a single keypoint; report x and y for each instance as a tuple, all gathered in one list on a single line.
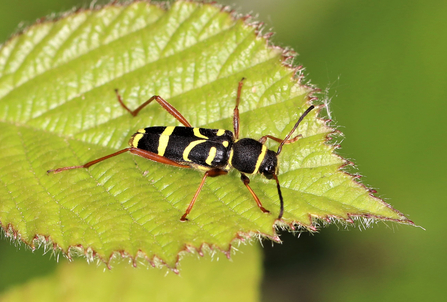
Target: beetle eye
[(268, 172)]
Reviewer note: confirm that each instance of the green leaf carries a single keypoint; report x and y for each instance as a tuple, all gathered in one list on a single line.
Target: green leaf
[(200, 281), (58, 108)]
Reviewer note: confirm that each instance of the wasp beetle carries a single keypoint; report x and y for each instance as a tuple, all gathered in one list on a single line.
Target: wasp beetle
[(213, 151)]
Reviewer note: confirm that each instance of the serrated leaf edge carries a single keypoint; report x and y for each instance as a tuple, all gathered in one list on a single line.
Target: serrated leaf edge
[(288, 56)]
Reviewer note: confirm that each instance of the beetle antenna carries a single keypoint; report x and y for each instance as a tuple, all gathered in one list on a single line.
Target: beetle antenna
[(293, 129), (281, 211)]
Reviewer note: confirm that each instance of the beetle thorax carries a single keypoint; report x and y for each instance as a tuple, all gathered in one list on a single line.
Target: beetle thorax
[(251, 157)]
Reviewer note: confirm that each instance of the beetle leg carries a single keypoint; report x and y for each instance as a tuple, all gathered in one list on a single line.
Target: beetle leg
[(246, 181), (210, 173), (263, 139), (236, 109), (168, 107), (137, 151)]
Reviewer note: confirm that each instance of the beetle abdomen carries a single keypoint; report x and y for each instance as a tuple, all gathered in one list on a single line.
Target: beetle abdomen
[(208, 148)]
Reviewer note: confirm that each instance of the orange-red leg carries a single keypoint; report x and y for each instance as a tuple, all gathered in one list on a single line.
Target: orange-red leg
[(168, 107), (246, 181), (263, 139), (139, 152), (236, 109), (155, 157), (210, 173)]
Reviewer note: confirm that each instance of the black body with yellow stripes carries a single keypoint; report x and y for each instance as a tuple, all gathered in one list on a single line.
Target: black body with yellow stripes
[(207, 149), (214, 151), (203, 149)]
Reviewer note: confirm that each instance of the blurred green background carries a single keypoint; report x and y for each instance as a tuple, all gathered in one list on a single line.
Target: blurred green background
[(383, 65)]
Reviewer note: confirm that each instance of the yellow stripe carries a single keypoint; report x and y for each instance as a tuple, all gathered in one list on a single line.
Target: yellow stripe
[(142, 130), (200, 168), (220, 132), (260, 159), (164, 140), (231, 156), (133, 142), (211, 155), (225, 143), (189, 148), (198, 134)]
